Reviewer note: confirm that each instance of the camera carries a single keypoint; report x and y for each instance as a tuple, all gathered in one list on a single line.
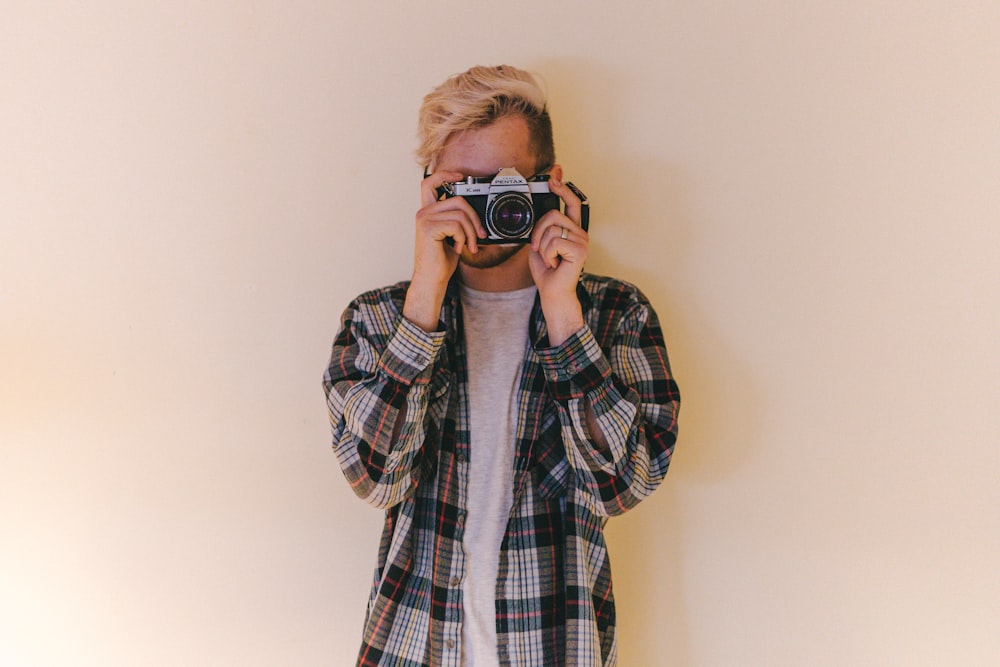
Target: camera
[(508, 204)]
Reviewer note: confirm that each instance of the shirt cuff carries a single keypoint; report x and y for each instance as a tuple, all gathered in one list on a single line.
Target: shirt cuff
[(576, 367), (410, 353)]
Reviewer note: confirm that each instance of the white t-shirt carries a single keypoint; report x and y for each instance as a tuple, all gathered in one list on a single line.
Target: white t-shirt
[(496, 333)]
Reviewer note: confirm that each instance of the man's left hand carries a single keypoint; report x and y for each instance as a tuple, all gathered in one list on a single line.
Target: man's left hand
[(558, 251)]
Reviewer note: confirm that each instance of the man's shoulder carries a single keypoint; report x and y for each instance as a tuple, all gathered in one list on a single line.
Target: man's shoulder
[(395, 293), (381, 307), (605, 292)]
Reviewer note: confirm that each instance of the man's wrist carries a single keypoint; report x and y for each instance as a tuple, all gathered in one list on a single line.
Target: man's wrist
[(423, 304), (563, 318)]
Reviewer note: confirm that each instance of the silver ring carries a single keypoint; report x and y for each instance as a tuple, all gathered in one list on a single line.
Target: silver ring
[(565, 233)]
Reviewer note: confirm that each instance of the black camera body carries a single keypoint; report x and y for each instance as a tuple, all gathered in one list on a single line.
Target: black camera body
[(508, 204)]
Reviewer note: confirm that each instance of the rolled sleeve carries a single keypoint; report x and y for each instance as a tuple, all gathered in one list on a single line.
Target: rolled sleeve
[(614, 379), (377, 386), (410, 353)]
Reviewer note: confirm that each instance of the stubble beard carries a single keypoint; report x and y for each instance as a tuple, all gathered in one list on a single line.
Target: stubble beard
[(489, 256)]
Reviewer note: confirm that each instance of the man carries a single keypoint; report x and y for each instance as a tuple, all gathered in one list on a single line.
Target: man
[(499, 407)]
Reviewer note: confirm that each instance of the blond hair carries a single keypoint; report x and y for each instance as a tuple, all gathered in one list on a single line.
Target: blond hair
[(477, 98)]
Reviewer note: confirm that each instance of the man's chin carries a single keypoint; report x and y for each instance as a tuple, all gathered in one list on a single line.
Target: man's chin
[(489, 256)]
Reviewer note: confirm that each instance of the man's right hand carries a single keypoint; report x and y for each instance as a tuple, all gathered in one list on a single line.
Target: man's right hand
[(444, 228)]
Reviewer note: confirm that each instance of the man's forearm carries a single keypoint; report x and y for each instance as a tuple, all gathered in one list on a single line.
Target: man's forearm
[(423, 305), (563, 318)]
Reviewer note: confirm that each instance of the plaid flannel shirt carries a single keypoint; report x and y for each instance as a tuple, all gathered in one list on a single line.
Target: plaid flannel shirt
[(554, 603)]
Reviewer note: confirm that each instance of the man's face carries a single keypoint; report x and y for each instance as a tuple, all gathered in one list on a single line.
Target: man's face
[(483, 152)]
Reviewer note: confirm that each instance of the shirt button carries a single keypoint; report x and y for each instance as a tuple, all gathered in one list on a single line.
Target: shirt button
[(450, 643), (572, 369), (455, 581)]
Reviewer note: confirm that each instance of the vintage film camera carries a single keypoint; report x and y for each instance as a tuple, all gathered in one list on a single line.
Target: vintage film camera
[(509, 205)]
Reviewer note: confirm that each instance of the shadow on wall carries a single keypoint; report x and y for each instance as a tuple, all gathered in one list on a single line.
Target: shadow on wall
[(643, 231)]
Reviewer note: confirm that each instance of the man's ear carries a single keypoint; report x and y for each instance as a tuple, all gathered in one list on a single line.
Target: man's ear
[(556, 172)]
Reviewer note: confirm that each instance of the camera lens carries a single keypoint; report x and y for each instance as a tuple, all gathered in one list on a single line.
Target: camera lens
[(510, 215)]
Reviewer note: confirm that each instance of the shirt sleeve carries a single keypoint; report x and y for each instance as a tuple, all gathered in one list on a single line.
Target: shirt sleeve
[(372, 378), (635, 403)]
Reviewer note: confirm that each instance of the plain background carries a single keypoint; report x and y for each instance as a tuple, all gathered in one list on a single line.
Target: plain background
[(190, 194)]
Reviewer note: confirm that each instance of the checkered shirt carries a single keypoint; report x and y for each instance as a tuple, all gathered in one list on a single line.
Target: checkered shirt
[(554, 603)]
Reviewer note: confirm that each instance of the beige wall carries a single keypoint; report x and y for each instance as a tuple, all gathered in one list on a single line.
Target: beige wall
[(191, 192)]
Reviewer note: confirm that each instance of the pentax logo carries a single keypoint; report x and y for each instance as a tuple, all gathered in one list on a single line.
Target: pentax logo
[(508, 180)]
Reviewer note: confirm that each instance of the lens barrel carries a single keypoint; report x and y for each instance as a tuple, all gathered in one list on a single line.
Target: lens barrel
[(510, 215)]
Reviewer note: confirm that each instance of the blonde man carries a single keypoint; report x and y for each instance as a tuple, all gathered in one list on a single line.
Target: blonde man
[(499, 406)]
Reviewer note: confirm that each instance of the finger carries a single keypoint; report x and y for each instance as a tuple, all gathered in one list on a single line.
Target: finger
[(556, 251), (563, 243), (550, 249), (573, 203), (458, 211), (551, 225), (453, 227), (429, 186), (450, 235), (472, 226), (470, 219), (459, 204)]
